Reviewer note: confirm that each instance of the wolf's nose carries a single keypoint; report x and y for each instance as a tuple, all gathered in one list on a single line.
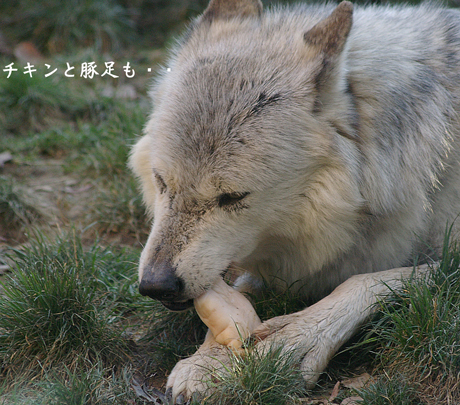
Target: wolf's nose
[(160, 284), (162, 290)]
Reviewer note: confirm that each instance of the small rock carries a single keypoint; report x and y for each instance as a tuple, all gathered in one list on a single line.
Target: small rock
[(352, 401), (108, 91), (4, 268), (5, 157), (27, 52), (78, 190), (46, 189), (126, 91)]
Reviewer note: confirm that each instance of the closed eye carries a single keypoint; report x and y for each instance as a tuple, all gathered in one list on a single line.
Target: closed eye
[(230, 199)]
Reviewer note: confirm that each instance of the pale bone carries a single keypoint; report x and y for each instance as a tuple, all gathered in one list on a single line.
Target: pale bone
[(228, 314)]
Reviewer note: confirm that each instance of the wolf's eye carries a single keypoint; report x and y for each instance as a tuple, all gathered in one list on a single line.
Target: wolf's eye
[(160, 182), (228, 199)]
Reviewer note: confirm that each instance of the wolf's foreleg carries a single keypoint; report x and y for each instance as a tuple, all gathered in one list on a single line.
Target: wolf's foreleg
[(316, 333)]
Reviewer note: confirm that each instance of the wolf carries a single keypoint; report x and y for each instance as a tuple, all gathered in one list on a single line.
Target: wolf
[(316, 144)]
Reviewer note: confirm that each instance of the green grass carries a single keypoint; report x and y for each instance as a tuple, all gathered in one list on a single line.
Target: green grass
[(98, 386), (95, 385), (417, 329), (63, 25), (107, 153), (396, 390), (253, 378), (100, 136), (118, 209), (62, 304), (32, 103)]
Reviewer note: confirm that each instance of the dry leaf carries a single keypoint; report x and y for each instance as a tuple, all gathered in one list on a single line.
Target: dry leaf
[(352, 401), (357, 382), (335, 391)]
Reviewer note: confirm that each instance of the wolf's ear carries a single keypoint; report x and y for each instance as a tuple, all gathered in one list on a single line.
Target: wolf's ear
[(326, 40), (226, 9)]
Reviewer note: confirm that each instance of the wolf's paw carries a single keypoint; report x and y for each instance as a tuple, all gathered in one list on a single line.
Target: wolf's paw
[(190, 376), (304, 336)]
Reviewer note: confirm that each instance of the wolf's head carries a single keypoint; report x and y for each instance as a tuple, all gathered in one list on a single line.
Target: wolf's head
[(245, 154)]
